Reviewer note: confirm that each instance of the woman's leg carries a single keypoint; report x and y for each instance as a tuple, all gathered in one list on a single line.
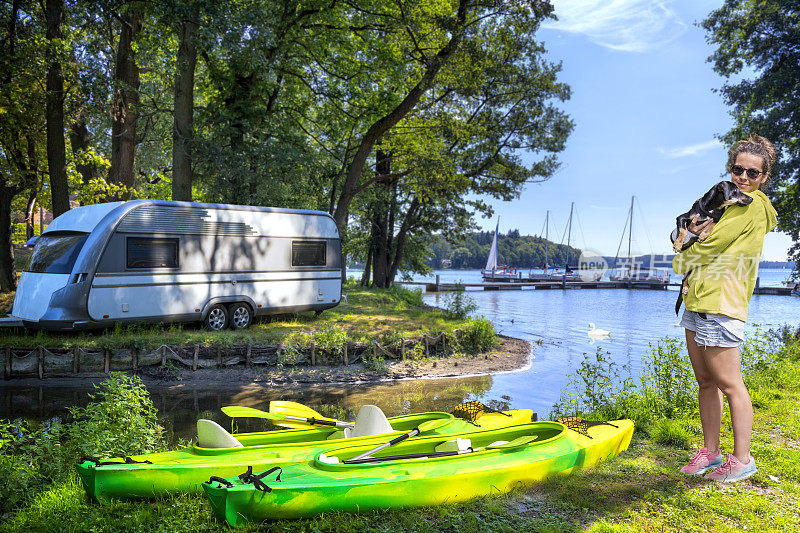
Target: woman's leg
[(725, 367), (708, 396)]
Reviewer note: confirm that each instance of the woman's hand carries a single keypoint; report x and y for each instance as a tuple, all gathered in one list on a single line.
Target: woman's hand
[(696, 228)]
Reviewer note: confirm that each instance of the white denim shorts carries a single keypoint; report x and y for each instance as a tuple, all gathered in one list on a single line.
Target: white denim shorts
[(713, 330)]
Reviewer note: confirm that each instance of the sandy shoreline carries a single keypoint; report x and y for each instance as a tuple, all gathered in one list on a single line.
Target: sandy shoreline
[(510, 354)]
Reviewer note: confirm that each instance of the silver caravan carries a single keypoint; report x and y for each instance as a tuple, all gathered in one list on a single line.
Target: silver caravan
[(152, 260)]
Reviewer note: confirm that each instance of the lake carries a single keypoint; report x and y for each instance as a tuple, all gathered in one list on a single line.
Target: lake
[(558, 318)]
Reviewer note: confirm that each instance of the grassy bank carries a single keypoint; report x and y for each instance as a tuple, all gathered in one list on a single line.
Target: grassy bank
[(385, 316), (639, 491)]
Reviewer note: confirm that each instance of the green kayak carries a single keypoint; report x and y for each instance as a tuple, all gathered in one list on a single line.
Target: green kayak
[(184, 470), (418, 472)]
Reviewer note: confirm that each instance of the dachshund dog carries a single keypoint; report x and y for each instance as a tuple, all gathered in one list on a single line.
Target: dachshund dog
[(710, 206)]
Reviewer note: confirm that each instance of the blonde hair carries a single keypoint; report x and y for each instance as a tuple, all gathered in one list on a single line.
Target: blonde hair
[(756, 145)]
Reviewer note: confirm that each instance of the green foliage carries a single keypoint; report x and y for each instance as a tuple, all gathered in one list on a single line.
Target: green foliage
[(330, 340), (121, 420), (756, 50), (594, 388), (412, 297), (31, 457), (477, 335), (458, 304), (373, 363), (671, 432), (668, 385)]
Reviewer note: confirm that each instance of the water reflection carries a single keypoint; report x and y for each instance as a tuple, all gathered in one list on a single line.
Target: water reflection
[(179, 406)]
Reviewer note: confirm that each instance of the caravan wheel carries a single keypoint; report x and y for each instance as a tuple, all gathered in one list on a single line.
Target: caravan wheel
[(240, 314), (217, 318)]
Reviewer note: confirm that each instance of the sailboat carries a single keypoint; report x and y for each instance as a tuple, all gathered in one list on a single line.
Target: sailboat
[(636, 272), (566, 272), (494, 272)]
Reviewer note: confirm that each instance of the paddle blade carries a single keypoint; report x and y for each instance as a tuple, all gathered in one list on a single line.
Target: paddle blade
[(237, 411), (293, 409)]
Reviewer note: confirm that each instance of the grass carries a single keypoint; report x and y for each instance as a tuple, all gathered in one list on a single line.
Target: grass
[(368, 314), (641, 490)]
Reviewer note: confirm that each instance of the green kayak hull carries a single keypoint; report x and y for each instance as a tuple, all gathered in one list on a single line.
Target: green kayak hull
[(309, 488), (185, 470)]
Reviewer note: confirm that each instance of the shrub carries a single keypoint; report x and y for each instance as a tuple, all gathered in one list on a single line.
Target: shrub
[(458, 304), (594, 389), (671, 432), (410, 297), (477, 335), (31, 458), (121, 420), (668, 386), (330, 340)]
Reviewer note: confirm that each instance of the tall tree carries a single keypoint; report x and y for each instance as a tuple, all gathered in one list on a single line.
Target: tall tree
[(125, 108), (55, 12), (21, 119), (758, 50), (183, 113)]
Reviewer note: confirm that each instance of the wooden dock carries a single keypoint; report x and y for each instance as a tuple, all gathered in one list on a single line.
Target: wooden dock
[(438, 286)]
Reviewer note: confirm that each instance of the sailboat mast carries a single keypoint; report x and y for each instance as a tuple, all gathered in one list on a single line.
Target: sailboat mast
[(630, 236), (569, 232), (546, 237)]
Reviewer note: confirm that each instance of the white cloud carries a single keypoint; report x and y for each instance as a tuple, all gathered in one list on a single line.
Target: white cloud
[(691, 150), (624, 25)]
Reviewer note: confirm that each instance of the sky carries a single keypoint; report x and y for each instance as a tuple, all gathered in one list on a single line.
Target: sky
[(646, 120)]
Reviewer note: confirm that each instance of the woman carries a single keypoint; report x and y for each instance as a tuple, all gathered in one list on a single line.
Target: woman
[(723, 274)]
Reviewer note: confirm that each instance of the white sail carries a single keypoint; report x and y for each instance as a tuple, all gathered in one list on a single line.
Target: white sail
[(491, 262)]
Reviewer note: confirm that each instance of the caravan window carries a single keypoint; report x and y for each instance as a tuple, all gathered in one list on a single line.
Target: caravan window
[(151, 253), (55, 253), (308, 253)]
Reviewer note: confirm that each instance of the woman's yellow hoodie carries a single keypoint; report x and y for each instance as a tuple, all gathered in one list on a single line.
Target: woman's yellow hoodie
[(723, 268)]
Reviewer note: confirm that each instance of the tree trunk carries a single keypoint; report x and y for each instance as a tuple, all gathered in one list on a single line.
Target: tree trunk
[(7, 278), (183, 131), (382, 233), (79, 142), (367, 267), (30, 211), (126, 102), (54, 109), (400, 241)]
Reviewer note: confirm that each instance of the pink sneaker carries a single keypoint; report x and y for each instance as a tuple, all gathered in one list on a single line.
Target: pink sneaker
[(733, 470), (702, 462)]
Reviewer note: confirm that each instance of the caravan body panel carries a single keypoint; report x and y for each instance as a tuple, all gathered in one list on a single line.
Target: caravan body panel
[(151, 260)]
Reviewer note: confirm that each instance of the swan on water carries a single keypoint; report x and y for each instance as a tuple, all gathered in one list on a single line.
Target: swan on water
[(595, 333)]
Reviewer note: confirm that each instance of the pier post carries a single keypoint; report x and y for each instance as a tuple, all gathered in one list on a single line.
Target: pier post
[(247, 356), (194, 356), (134, 359), (8, 363), (402, 349), (437, 282), (40, 361), (313, 354), (75, 359), (345, 353), (758, 281), (107, 360)]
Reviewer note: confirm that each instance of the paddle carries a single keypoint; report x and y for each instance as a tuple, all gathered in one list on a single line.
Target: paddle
[(281, 419), (429, 425), (520, 441)]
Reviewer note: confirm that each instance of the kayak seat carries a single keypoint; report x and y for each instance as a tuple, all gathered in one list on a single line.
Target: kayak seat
[(212, 435), (371, 421)]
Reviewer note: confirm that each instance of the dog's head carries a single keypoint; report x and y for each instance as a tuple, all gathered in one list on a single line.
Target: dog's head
[(720, 196)]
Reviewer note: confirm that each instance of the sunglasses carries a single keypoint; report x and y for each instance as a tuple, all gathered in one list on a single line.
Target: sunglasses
[(752, 173)]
